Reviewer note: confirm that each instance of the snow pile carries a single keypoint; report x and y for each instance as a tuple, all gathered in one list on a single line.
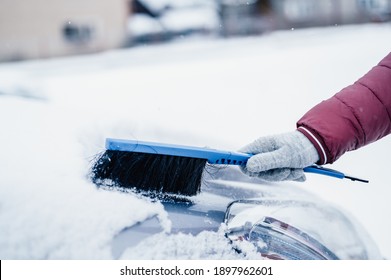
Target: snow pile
[(205, 245), (195, 19), (48, 208)]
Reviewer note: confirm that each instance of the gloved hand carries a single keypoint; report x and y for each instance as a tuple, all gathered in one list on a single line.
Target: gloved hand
[(280, 157)]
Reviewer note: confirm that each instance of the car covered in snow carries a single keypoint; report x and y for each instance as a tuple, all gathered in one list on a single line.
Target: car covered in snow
[(153, 21)]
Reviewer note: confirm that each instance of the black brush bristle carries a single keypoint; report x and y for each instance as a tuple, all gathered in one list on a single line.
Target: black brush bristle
[(149, 172)]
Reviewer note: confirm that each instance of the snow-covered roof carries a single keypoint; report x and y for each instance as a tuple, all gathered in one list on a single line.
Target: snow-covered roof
[(141, 24), (195, 18), (159, 5), (183, 16)]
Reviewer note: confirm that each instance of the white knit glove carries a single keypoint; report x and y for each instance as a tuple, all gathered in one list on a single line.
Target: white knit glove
[(280, 157)]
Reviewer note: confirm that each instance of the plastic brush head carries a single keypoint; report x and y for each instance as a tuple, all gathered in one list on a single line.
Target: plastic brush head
[(149, 172)]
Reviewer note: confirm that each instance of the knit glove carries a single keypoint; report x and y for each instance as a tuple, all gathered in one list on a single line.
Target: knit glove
[(280, 157)]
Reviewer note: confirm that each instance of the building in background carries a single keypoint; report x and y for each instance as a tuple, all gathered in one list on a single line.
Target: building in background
[(49, 28), (243, 17), (42, 28)]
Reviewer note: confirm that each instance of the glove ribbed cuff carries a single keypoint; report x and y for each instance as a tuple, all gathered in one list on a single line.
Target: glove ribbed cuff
[(322, 155)]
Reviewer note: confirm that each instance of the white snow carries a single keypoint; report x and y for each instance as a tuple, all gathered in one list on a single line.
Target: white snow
[(201, 18), (159, 5), (175, 17), (184, 20), (141, 24), (55, 115)]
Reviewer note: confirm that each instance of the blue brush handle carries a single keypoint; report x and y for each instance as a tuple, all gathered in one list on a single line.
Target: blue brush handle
[(211, 155)]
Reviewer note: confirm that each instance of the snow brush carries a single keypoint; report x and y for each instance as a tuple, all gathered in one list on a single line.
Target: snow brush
[(168, 168)]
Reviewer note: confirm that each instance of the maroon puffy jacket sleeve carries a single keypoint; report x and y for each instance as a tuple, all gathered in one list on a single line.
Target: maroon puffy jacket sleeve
[(356, 116)]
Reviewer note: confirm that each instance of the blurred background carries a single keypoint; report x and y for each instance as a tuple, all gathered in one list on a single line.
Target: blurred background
[(42, 29)]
